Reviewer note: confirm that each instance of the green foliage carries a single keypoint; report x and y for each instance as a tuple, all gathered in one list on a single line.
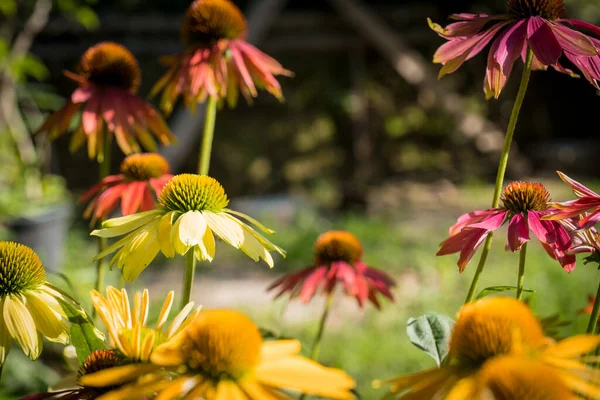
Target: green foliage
[(499, 289), (16, 202), (431, 333)]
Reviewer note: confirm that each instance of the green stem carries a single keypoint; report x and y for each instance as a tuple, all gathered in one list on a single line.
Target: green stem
[(594, 317), (207, 136), (188, 282), (314, 354), (510, 131), (521, 277), (104, 172)]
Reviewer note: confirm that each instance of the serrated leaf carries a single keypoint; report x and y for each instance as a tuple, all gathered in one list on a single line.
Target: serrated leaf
[(499, 289), (85, 337), (431, 333)]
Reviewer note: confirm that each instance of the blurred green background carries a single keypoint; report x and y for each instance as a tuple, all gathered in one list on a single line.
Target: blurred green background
[(354, 147)]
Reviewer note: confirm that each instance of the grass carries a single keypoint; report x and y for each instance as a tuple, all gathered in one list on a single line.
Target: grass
[(370, 344)]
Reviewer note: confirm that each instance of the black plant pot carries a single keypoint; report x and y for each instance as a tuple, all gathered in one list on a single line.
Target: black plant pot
[(45, 233)]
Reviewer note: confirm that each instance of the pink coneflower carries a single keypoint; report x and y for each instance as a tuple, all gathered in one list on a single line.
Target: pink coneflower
[(218, 61), (535, 24), (108, 77), (523, 206), (588, 203), (338, 257), (141, 179)]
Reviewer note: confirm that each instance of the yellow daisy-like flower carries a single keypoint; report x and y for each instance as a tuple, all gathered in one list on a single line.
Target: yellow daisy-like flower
[(222, 356), (127, 329), (498, 327), (191, 212), (29, 306)]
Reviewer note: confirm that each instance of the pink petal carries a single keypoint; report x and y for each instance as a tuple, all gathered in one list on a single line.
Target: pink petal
[(82, 94), (573, 42), (579, 189), (505, 51), (518, 232), (542, 41), (591, 220), (468, 219), (471, 247), (311, 283), (456, 243), (463, 28), (491, 222), (582, 25), (543, 230), (347, 275)]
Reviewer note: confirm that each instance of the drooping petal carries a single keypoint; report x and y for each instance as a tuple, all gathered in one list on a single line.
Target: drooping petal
[(468, 219), (572, 41), (311, 284), (227, 229), (5, 338), (21, 326), (52, 326), (505, 51), (470, 247), (490, 222), (543, 230), (518, 232), (276, 349), (543, 41)]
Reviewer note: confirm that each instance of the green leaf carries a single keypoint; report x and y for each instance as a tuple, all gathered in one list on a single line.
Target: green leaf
[(499, 289), (87, 17), (431, 333), (8, 8), (85, 337)]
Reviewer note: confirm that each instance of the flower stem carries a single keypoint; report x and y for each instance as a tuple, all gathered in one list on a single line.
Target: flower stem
[(594, 316), (314, 354), (104, 172), (188, 282), (207, 136), (521, 277), (510, 131)]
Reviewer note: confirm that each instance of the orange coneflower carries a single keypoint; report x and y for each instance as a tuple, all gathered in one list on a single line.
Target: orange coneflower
[(218, 62), (141, 179), (108, 76)]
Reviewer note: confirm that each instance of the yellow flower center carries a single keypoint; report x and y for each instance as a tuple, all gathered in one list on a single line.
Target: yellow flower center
[(491, 327), (99, 360), (520, 197), (547, 9), (142, 167), (110, 64), (208, 21), (512, 378), (222, 344), (188, 192), (337, 246), (20, 269)]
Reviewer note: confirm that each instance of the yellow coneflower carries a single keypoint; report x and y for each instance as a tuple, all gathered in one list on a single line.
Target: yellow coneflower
[(29, 306), (108, 76), (192, 209), (222, 356), (498, 327), (127, 328), (218, 62)]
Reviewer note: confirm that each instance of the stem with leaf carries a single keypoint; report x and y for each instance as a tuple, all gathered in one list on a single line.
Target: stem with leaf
[(512, 124), (104, 172)]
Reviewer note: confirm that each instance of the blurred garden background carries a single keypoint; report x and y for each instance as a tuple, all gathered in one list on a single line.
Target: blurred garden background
[(367, 141)]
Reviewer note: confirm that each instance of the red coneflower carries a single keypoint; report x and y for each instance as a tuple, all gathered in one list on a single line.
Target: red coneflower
[(587, 204), (108, 76), (338, 259), (218, 62), (524, 205), (539, 25), (141, 179)]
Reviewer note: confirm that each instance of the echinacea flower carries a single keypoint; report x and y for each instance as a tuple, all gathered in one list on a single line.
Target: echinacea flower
[(539, 25), (222, 356), (337, 259), (218, 62), (127, 329), (98, 360), (30, 308), (192, 209), (488, 330), (108, 77), (588, 203), (583, 240), (524, 205), (141, 179)]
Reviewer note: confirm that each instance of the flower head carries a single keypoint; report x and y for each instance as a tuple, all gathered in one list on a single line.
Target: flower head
[(141, 179), (127, 329), (30, 308), (538, 25), (587, 205), (524, 206), (337, 259), (494, 339), (108, 76), (191, 211), (223, 356), (218, 61)]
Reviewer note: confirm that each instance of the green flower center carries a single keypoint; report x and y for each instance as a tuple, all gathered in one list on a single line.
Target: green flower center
[(143, 167), (188, 192), (208, 21), (20, 269), (520, 197), (547, 9)]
